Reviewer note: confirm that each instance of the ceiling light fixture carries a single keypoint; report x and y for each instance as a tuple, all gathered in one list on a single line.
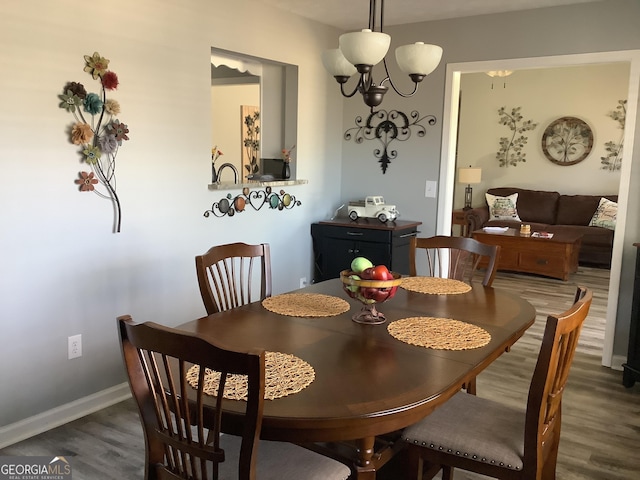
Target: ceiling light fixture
[(499, 73), (359, 52)]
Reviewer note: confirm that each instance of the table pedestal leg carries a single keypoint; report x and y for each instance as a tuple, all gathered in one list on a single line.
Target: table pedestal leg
[(365, 468)]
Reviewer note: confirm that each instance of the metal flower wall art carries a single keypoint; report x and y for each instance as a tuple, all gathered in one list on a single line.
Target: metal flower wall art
[(613, 161), (96, 131), (510, 152), (386, 127)]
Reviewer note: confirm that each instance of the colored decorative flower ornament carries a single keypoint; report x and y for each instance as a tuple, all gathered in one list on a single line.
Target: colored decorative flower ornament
[(101, 137)]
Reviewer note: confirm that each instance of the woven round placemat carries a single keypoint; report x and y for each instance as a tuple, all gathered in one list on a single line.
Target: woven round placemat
[(285, 374), (439, 333), (306, 305), (434, 285)]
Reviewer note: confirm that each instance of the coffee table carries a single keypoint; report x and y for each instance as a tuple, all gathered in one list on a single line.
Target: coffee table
[(555, 257)]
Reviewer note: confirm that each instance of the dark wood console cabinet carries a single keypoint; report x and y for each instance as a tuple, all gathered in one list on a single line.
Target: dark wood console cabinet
[(337, 242), (632, 367)]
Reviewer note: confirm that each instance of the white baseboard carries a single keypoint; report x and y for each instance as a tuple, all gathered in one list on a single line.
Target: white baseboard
[(617, 361), (55, 417)]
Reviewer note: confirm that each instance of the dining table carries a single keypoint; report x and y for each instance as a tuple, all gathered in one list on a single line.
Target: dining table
[(367, 384)]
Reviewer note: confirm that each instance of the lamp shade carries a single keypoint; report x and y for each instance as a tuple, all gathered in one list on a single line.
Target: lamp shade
[(418, 58), (365, 47), (335, 63), (469, 175)]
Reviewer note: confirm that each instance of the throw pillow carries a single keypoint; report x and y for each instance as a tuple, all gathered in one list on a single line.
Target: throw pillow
[(503, 208), (605, 215)]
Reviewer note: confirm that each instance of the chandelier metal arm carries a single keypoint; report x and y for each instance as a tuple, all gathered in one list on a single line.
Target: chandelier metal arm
[(355, 90), (395, 89)]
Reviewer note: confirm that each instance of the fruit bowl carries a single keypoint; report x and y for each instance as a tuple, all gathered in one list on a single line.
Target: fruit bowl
[(370, 293)]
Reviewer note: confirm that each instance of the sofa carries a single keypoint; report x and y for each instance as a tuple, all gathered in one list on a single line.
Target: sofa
[(552, 212)]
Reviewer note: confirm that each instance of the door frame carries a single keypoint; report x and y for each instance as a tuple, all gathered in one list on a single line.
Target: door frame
[(449, 140)]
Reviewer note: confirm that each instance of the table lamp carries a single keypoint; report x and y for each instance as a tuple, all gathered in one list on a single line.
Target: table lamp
[(470, 176)]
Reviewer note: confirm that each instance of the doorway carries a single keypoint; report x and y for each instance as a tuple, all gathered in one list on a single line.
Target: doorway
[(449, 140)]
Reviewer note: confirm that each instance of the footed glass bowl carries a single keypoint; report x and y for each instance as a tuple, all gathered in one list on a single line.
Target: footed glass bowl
[(370, 293)]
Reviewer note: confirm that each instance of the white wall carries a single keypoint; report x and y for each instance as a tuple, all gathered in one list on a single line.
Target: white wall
[(63, 271), (587, 92)]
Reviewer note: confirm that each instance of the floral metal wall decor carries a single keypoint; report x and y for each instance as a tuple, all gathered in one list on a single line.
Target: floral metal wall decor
[(386, 127), (250, 139), (510, 152), (613, 160), (257, 199), (97, 132)]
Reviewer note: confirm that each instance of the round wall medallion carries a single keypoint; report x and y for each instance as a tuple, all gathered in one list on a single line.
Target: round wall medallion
[(567, 141)]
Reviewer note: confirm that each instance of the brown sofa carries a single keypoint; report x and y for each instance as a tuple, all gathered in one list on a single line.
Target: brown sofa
[(553, 212)]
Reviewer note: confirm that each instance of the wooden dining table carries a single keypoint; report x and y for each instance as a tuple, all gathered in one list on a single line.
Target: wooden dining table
[(367, 383)]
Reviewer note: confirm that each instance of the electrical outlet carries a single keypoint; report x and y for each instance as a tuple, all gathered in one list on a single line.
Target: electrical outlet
[(75, 346), (303, 282)]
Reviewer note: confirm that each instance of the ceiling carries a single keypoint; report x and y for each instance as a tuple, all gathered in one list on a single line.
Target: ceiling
[(354, 14)]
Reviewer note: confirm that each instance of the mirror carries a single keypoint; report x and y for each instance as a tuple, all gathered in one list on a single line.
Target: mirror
[(254, 107)]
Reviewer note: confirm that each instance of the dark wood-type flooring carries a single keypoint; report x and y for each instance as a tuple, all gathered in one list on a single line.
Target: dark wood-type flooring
[(600, 421)]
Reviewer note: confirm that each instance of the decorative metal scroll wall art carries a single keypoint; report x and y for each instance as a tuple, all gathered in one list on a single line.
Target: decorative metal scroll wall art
[(386, 127), (230, 205)]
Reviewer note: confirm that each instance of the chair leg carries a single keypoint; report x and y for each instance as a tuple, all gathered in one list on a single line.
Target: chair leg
[(447, 472), (414, 463), (417, 468), (470, 386)]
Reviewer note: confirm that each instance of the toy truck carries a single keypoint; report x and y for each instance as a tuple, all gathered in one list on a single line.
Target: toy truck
[(372, 207)]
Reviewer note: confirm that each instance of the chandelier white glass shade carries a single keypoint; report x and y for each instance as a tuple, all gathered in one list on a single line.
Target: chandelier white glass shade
[(360, 51)]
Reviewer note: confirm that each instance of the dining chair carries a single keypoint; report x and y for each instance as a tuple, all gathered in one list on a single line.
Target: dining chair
[(182, 438), (489, 438), (463, 255), (230, 275)]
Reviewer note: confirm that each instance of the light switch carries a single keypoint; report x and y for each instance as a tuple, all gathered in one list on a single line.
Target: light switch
[(430, 189)]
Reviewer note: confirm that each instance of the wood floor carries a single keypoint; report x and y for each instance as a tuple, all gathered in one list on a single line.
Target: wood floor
[(600, 421)]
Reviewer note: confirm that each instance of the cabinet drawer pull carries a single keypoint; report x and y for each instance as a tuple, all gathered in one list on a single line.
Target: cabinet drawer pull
[(355, 234), (412, 234), (353, 250)]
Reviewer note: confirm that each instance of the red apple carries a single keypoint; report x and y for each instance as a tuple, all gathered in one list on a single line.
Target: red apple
[(369, 292), (381, 272), (367, 274), (382, 294)]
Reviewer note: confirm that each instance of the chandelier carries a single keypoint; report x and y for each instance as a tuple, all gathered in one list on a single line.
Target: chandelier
[(360, 51)]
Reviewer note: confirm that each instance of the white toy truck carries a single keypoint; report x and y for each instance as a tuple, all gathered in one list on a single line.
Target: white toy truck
[(372, 207)]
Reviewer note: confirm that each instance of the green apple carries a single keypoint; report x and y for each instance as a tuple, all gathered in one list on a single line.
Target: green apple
[(353, 288), (359, 264)]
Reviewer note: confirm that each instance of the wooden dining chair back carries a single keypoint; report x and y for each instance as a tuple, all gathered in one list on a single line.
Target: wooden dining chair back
[(182, 427), (157, 359), (492, 439), (463, 256), (233, 275)]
